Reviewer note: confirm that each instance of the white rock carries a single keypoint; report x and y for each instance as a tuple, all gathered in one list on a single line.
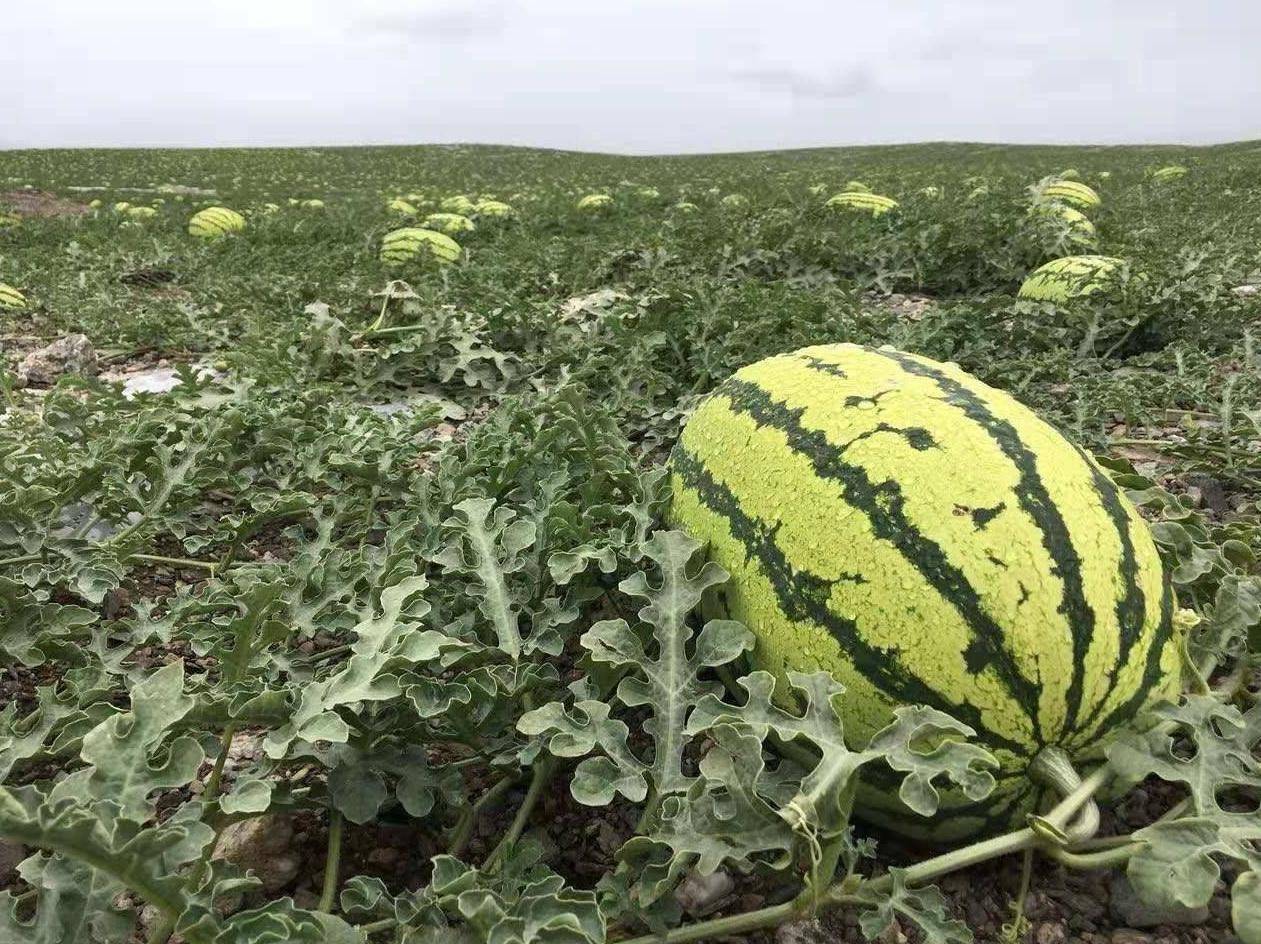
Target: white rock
[(701, 894), (262, 845), (72, 354), (1247, 290), (805, 931)]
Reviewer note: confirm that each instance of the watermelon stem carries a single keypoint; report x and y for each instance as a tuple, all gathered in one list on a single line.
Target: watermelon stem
[(847, 892)]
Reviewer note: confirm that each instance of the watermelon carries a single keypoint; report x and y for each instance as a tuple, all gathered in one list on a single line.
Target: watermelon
[(11, 299), (928, 540), (215, 221), (457, 204), (1072, 192), (1080, 228), (1062, 280), (871, 203), (493, 208), (1172, 172), (595, 201), (448, 223), (403, 245), (402, 207)]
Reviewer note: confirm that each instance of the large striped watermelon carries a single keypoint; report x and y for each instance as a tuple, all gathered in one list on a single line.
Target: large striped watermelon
[(929, 540)]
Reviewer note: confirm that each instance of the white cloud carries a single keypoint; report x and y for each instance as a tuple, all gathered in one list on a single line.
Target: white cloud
[(627, 75)]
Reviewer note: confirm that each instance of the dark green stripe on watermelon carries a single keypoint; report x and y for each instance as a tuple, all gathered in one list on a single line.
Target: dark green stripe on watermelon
[(804, 596), (883, 504)]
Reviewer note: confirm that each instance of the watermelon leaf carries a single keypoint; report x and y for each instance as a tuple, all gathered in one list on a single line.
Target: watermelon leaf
[(661, 676), (921, 742), (1210, 747), (925, 908)]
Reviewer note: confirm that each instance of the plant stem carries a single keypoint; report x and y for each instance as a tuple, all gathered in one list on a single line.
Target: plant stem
[(331, 862), (174, 561), (844, 893), (464, 828), (216, 775), (383, 925), (542, 774), (1104, 859)]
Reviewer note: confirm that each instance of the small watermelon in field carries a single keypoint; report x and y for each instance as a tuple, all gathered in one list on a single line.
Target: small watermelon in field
[(449, 223), (1072, 192), (404, 245), (1080, 229), (11, 299), (856, 186), (865, 202), (595, 201), (493, 208), (8, 220), (734, 200), (1062, 280), (1172, 172), (214, 222), (402, 207), (141, 212), (928, 540), (457, 204)]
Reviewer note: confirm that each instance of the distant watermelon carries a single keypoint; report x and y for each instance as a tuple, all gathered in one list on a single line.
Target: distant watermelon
[(493, 208), (871, 203), (449, 223), (1172, 172), (595, 201), (1081, 229), (10, 298), (214, 222), (1062, 280), (404, 245), (399, 205), (8, 220), (1071, 192), (457, 204)]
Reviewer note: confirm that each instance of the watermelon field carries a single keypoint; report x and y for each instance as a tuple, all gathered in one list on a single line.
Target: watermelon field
[(487, 545)]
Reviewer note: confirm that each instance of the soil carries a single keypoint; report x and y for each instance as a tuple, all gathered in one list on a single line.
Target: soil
[(40, 204)]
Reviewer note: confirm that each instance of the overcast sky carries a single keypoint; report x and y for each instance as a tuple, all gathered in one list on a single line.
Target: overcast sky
[(637, 76)]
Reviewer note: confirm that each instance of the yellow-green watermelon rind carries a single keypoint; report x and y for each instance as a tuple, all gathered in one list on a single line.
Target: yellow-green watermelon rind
[(1062, 280), (595, 201), (928, 540), (493, 208), (11, 299), (406, 244), (213, 222), (1081, 229), (1072, 192), (449, 223), (1172, 172), (873, 203)]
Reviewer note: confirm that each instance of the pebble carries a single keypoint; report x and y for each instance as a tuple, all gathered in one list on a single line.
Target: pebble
[(72, 354), (701, 894), (807, 931)]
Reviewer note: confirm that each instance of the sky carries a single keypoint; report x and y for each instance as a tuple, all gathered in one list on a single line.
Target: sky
[(627, 76)]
